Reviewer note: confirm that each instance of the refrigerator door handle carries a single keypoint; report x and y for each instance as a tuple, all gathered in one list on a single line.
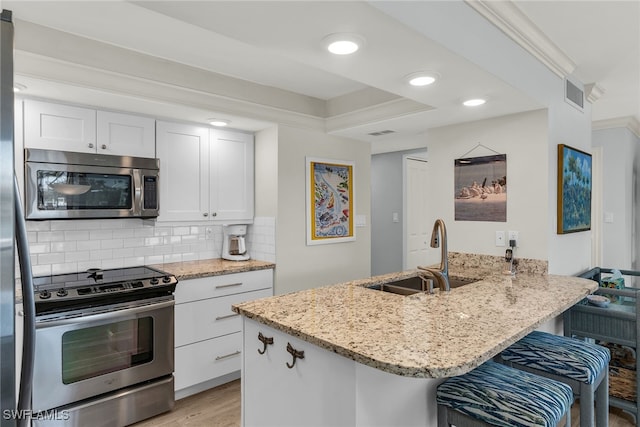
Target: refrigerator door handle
[(28, 302)]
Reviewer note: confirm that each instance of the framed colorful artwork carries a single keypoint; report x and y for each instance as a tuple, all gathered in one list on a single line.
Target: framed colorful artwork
[(574, 190), (330, 201)]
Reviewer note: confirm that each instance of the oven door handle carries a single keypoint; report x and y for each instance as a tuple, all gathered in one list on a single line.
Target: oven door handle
[(115, 314)]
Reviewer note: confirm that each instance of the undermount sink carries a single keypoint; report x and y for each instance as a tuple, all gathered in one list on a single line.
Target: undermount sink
[(416, 284)]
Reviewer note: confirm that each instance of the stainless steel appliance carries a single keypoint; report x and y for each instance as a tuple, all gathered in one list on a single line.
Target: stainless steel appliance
[(234, 246), (104, 347), (63, 185), (14, 411)]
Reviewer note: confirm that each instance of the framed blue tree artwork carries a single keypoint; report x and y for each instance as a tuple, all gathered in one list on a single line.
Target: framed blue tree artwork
[(574, 190)]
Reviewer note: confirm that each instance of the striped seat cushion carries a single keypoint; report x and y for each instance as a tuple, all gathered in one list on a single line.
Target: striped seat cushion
[(563, 356), (504, 396)]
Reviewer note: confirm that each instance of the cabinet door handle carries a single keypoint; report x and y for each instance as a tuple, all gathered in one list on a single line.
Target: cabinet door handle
[(265, 341), (205, 214), (103, 146), (297, 354), (228, 285), (226, 356), (90, 145), (214, 214), (228, 316)]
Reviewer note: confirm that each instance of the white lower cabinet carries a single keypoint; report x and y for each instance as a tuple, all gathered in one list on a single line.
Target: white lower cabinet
[(208, 334), (208, 359), (324, 388), (312, 392)]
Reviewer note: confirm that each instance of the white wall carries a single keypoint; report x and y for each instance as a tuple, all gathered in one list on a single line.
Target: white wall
[(620, 152), (300, 266), (523, 138), (458, 27)]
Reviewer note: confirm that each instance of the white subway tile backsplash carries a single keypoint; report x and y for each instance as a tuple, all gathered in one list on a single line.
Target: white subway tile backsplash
[(101, 254), (77, 256), (64, 268), (39, 248), (50, 236), (100, 234), (63, 246), (51, 258), (39, 225), (153, 259), (88, 245), (77, 245), (112, 244)]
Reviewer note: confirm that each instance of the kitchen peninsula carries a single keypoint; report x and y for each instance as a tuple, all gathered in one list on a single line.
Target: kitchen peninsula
[(375, 358)]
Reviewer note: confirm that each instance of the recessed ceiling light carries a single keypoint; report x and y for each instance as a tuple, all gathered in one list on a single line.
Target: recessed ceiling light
[(18, 87), (474, 102), (422, 78), (219, 122), (343, 43)]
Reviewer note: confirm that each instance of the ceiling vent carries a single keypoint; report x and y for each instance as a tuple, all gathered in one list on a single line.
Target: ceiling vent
[(573, 95), (382, 132)]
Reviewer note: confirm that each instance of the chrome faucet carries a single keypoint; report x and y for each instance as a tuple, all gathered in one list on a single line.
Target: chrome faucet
[(439, 239)]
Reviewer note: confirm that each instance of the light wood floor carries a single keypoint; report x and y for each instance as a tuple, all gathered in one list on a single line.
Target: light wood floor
[(220, 407)]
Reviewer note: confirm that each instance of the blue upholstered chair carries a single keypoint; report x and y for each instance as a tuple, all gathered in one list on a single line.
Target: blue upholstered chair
[(581, 365), (497, 395)]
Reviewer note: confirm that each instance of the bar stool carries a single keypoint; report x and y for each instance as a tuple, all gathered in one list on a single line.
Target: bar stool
[(497, 395), (579, 364)]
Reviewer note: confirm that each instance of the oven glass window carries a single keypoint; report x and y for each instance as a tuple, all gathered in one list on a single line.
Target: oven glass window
[(98, 350), (59, 190)]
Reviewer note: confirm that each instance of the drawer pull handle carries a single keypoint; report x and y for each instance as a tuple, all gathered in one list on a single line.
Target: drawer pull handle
[(297, 354), (265, 341), (226, 356), (228, 285), (228, 316)]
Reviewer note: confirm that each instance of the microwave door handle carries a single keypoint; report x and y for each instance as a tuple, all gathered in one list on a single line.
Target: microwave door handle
[(138, 203)]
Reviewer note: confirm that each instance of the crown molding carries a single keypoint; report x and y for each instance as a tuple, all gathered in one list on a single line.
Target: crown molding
[(506, 16), (593, 91), (629, 122)]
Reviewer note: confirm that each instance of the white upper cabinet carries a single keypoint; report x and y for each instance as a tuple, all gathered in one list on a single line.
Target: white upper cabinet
[(231, 172), (126, 135), (205, 174), (59, 127), (62, 127), (183, 151)]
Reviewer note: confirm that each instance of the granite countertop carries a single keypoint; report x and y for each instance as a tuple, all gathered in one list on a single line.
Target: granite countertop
[(211, 267), (422, 335)]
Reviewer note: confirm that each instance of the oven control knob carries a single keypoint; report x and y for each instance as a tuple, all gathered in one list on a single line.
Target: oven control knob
[(154, 281), (166, 279), (62, 292), (45, 294)]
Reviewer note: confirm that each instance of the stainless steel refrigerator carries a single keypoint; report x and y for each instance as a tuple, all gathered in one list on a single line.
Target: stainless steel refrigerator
[(16, 407)]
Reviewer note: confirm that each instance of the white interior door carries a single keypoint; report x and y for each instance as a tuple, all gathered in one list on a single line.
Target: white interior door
[(416, 228)]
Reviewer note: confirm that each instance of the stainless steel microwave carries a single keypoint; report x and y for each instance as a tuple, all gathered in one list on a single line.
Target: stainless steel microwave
[(67, 185)]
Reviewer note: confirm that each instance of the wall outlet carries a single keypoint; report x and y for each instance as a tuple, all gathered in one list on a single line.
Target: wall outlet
[(513, 235), (500, 238), (209, 233)]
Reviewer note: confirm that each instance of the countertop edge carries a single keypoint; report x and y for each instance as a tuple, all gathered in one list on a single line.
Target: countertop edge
[(212, 267), (411, 371)]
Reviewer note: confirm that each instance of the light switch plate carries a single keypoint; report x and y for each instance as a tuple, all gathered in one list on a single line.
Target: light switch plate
[(500, 238), (361, 220)]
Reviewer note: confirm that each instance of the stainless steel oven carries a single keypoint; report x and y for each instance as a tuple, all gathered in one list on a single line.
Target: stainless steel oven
[(66, 185), (104, 350)]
